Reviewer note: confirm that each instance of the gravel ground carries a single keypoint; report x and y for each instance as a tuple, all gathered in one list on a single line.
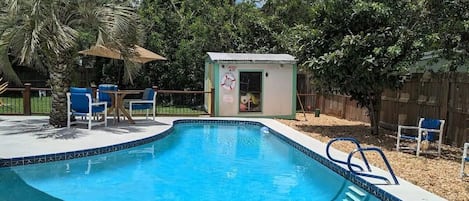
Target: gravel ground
[(439, 175)]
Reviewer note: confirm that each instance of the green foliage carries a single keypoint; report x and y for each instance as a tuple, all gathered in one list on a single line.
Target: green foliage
[(360, 47), (364, 43), (183, 31), (446, 25)]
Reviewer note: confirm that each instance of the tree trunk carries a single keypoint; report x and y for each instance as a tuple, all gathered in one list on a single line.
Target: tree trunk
[(374, 110), (59, 76)]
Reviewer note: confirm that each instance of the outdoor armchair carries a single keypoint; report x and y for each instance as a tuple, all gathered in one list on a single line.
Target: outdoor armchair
[(80, 103), (427, 130), (146, 103)]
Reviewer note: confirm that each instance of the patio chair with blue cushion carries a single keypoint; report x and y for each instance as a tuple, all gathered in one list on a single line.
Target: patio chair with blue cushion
[(105, 97), (427, 130), (465, 158), (146, 103), (80, 103)]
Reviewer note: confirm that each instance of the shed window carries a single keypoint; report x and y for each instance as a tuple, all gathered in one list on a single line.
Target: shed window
[(250, 91)]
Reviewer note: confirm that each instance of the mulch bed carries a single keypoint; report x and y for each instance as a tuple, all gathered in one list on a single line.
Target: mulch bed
[(439, 175)]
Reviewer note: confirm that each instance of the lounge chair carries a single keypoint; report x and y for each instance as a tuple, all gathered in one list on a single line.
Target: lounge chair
[(80, 103), (146, 103), (465, 158), (427, 130)]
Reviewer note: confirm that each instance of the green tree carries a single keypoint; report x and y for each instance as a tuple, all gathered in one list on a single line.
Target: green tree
[(446, 24), (47, 32), (184, 31), (361, 46), (291, 21)]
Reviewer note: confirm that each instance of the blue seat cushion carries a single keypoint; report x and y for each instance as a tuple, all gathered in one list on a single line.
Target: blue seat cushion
[(467, 159), (431, 124), (80, 104), (105, 97), (141, 106), (148, 94), (76, 90)]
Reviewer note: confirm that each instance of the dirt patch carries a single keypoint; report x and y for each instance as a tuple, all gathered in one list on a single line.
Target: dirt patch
[(439, 175)]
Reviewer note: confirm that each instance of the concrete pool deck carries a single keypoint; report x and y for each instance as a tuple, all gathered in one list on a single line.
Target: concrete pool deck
[(22, 136)]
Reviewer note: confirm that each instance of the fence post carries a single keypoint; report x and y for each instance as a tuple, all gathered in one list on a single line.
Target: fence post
[(212, 102), (27, 99), (94, 91)]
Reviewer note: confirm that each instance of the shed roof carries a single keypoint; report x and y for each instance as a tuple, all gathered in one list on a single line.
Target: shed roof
[(254, 58)]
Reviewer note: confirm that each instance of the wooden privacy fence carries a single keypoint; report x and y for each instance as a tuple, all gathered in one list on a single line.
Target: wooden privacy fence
[(438, 95), (335, 105), (441, 96)]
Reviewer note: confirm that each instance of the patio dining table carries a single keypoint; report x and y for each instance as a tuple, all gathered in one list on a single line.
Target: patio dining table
[(118, 104)]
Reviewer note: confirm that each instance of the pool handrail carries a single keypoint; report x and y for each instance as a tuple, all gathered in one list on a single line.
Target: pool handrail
[(361, 150), (353, 140)]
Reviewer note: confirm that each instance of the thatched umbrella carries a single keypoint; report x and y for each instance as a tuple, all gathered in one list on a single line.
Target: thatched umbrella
[(137, 55), (141, 55)]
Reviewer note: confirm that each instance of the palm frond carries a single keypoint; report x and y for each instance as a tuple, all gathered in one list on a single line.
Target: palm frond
[(3, 86), (65, 35), (12, 6), (131, 70), (120, 25)]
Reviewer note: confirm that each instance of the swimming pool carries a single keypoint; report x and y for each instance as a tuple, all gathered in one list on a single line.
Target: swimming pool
[(195, 161)]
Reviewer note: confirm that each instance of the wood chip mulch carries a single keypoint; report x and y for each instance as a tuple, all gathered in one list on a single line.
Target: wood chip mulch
[(439, 175)]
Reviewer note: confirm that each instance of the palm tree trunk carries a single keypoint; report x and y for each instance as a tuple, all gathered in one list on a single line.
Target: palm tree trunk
[(60, 82)]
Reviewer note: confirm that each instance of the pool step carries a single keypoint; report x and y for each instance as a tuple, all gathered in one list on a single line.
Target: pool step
[(354, 194)]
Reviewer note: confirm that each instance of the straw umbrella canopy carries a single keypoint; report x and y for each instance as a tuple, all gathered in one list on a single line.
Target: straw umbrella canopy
[(141, 55), (138, 55)]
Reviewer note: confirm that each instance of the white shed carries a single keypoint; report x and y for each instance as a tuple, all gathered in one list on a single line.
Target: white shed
[(254, 85)]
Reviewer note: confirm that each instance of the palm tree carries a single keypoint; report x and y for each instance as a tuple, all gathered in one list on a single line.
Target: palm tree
[(48, 33)]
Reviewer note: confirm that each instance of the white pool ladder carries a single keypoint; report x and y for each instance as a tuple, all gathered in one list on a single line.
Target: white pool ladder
[(361, 151)]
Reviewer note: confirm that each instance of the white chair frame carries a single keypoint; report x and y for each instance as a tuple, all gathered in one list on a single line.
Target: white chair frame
[(420, 133), (145, 101), (464, 159), (89, 116)]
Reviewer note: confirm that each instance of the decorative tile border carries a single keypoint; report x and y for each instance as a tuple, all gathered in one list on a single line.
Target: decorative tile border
[(80, 153), (219, 122), (370, 188)]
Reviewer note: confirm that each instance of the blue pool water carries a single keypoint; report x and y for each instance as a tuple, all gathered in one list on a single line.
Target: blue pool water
[(195, 162)]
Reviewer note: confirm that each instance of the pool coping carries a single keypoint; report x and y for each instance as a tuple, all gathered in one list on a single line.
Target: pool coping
[(310, 146)]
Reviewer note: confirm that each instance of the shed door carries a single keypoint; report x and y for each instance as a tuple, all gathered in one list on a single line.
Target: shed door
[(250, 91)]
